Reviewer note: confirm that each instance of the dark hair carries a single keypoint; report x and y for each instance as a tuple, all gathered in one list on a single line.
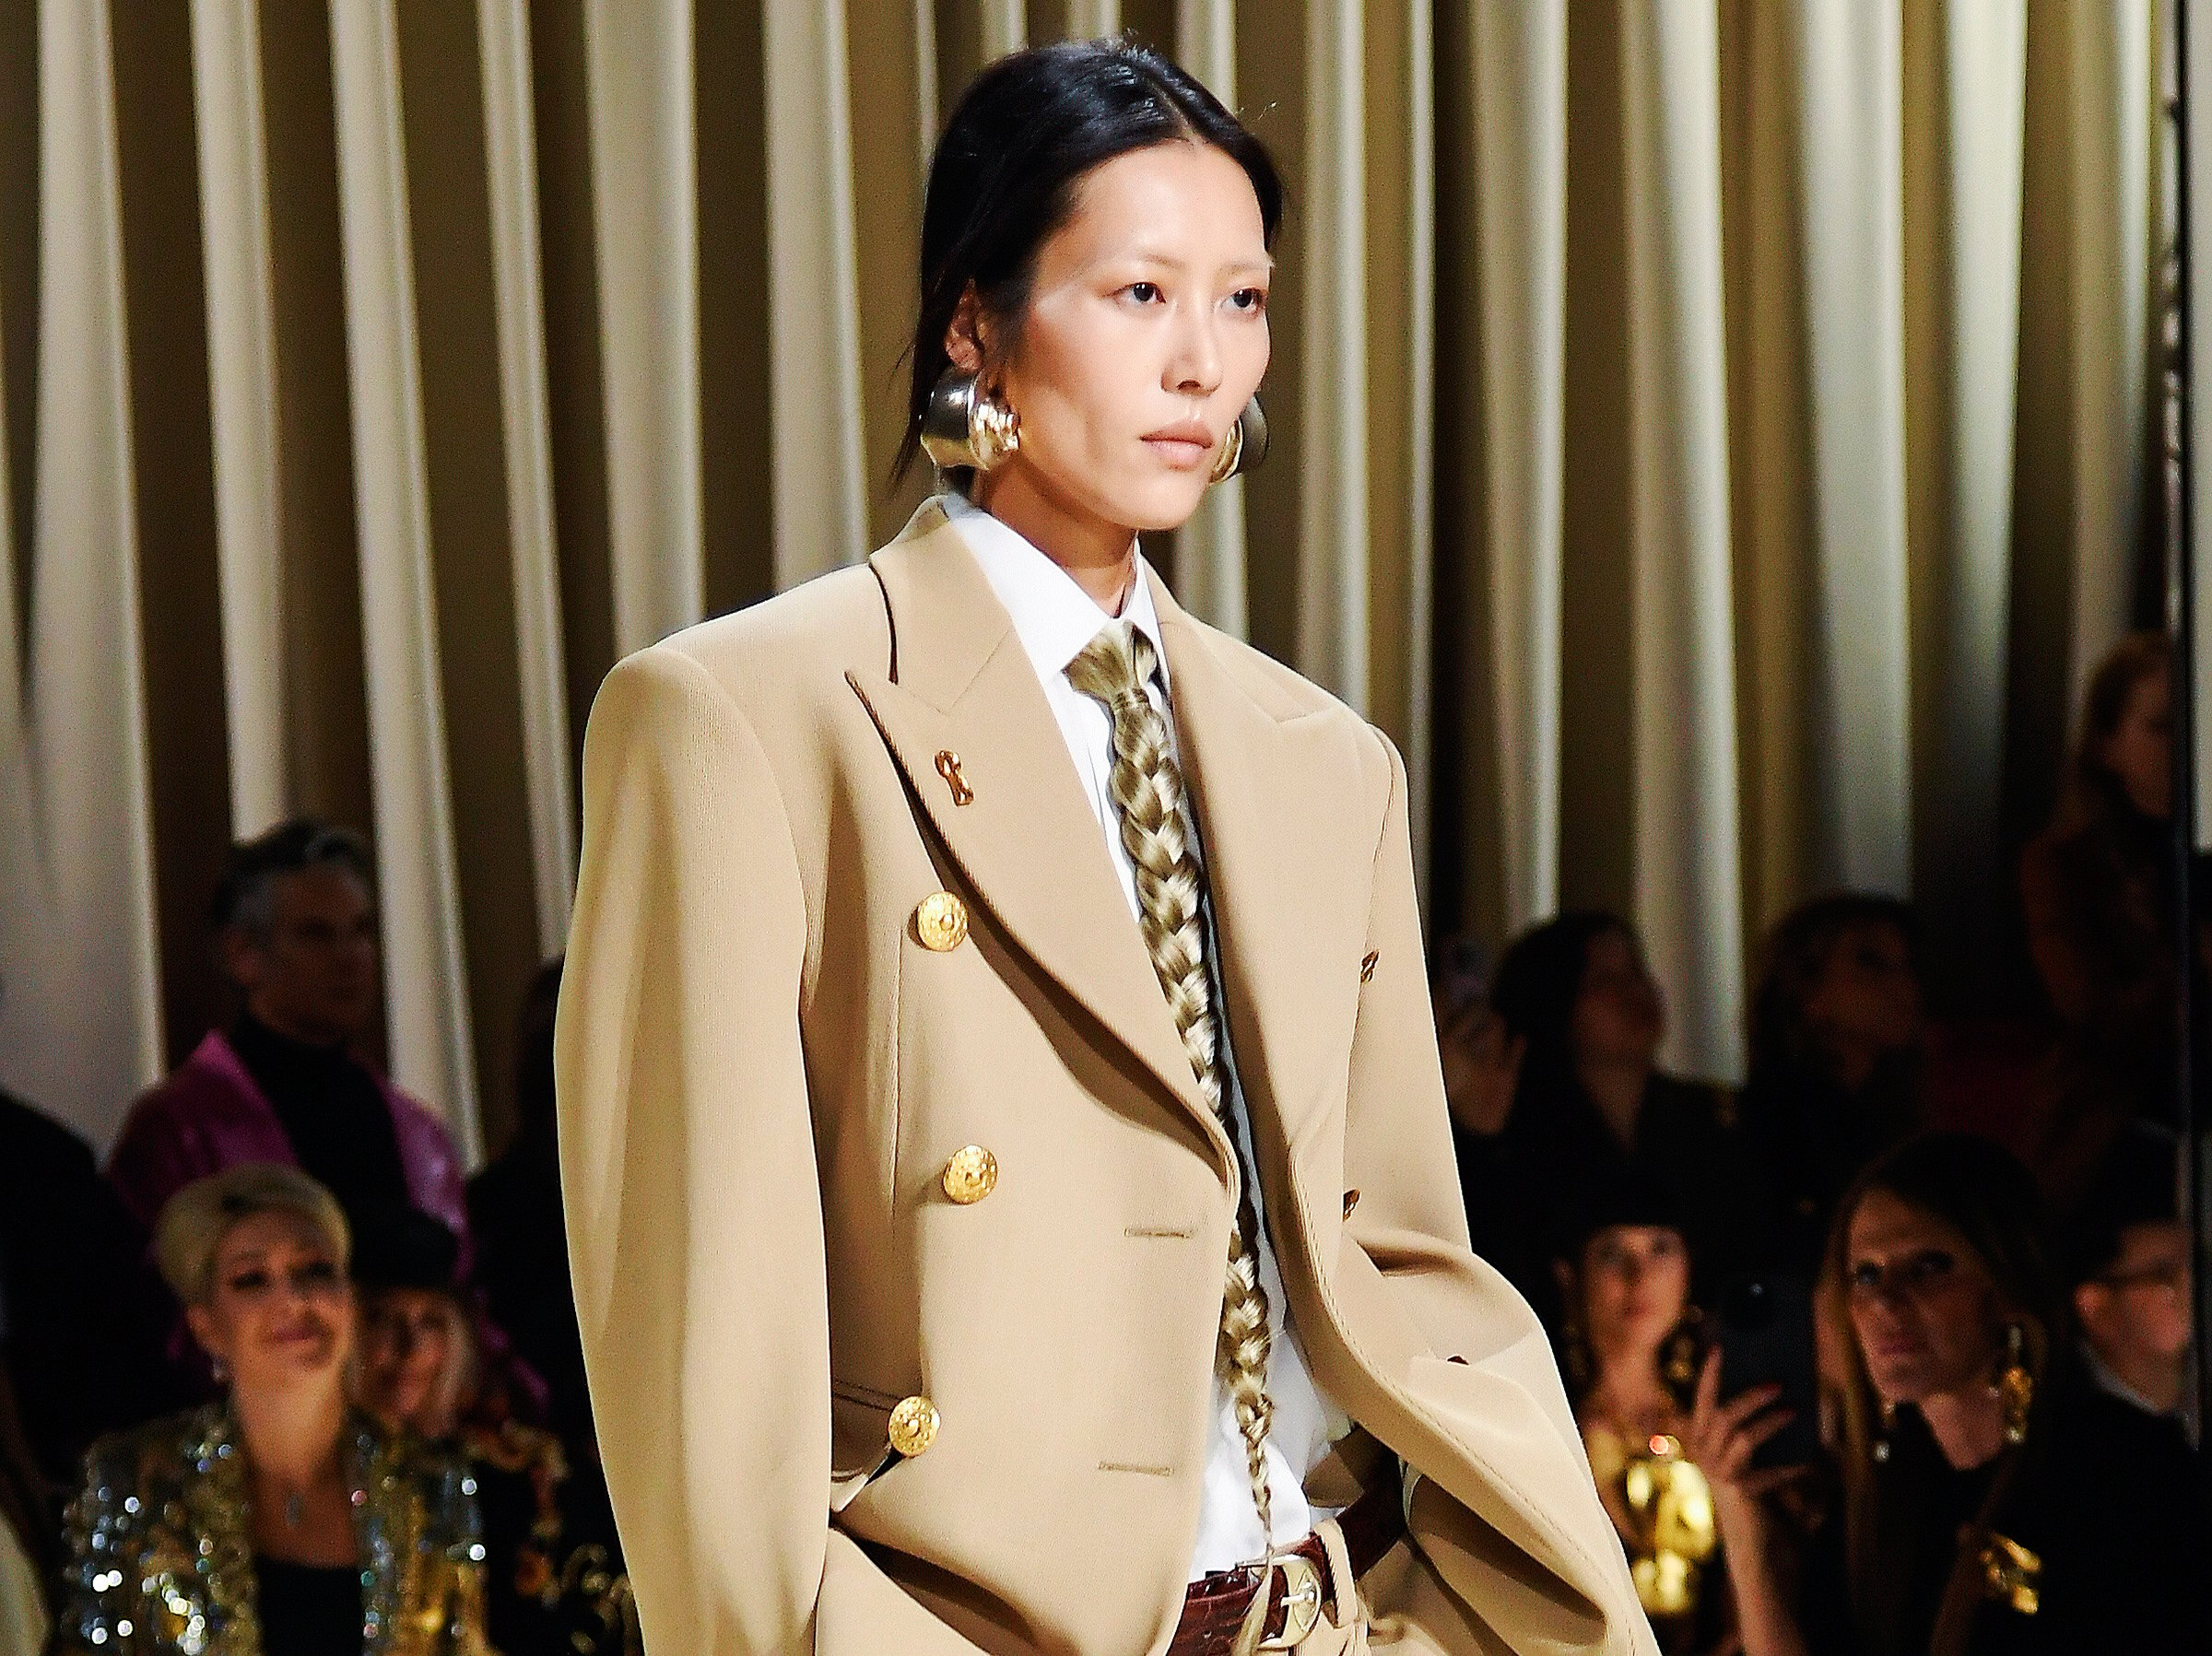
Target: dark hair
[(246, 896), (1005, 176), (1980, 1191), (2091, 790), (2137, 1183), (1538, 980), (1796, 955)]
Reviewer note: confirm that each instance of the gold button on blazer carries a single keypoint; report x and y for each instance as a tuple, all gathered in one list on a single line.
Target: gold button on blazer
[(764, 1070)]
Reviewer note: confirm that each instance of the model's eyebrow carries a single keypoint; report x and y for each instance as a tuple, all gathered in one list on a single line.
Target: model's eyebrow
[(1148, 255)]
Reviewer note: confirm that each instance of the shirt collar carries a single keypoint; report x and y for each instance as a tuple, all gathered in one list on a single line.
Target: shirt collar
[(1054, 617)]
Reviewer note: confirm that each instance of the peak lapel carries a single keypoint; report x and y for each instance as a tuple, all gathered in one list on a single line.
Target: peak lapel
[(1027, 841), (1287, 865)]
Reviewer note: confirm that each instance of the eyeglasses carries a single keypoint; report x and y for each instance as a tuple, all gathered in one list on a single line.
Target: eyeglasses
[(1916, 1274)]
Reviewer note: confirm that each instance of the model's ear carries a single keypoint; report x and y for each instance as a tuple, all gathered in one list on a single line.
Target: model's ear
[(966, 337)]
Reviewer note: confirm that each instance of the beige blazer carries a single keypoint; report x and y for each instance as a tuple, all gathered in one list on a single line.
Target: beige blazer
[(764, 1071)]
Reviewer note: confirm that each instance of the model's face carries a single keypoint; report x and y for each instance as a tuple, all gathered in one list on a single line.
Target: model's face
[(1635, 1282), (1146, 335), (1926, 1314), (1867, 995), (314, 978), (410, 1339), (2138, 1310), (1618, 1018), (2140, 749), (278, 1313)]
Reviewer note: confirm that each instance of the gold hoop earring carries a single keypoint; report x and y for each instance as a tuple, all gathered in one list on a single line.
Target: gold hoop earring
[(2015, 1385), (964, 428), (1245, 447)]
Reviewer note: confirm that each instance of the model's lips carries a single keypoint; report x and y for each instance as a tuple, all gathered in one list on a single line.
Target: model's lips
[(1184, 445)]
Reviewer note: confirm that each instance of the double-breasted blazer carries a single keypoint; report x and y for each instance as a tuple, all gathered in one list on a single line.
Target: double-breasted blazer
[(763, 1071)]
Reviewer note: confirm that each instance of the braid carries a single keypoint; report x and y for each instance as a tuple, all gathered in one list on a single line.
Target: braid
[(1241, 1352)]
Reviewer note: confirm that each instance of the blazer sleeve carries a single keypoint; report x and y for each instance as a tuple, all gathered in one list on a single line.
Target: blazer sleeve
[(1499, 1383), (695, 1227)]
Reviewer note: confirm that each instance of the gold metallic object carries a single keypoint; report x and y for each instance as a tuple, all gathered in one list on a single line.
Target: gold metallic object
[(949, 767), (970, 1175), (1663, 1505), (2016, 1386), (941, 921), (1367, 967), (1301, 1602), (963, 428), (914, 1426), (1351, 1200), (2010, 1574), (1245, 445)]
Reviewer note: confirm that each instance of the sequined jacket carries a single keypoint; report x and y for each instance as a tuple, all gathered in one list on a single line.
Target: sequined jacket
[(160, 1556)]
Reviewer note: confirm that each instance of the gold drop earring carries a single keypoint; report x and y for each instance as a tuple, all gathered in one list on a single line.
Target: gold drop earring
[(1245, 447), (965, 427), (2014, 1386)]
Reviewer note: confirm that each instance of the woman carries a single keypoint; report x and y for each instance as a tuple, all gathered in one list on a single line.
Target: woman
[(277, 1520), (2096, 891), (1673, 1462), (1994, 1501), (1837, 1036), (553, 1573), (1591, 1101), (931, 1063)]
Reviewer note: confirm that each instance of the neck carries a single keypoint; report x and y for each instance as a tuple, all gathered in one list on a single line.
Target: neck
[(1617, 1091), (1852, 1063), (2151, 1376), (291, 1438), (299, 1033), (1628, 1391), (1100, 556), (1968, 1425)]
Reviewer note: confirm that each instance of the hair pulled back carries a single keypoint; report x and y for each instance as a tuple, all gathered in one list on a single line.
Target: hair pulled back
[(1007, 167)]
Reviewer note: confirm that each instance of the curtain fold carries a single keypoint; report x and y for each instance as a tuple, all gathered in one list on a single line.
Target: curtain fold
[(79, 1000), (426, 978), (1709, 439), (241, 363)]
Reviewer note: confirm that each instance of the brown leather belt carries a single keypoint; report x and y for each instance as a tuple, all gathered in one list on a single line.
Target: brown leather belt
[(1214, 1607)]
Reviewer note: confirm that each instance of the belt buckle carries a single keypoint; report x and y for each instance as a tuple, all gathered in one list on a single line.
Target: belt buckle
[(1302, 1601)]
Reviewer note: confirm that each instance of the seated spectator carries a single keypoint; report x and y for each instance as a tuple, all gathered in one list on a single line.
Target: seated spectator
[(1673, 1462), (277, 1519), (1590, 1099), (79, 1310), (2132, 1280), (553, 1571), (1836, 1046), (1993, 1499), (521, 1238), (295, 924), (2096, 891)]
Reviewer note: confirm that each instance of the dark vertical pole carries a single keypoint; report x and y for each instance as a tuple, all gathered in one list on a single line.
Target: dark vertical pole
[(2181, 609)]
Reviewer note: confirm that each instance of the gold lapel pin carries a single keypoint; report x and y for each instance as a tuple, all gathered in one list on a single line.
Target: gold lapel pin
[(949, 767)]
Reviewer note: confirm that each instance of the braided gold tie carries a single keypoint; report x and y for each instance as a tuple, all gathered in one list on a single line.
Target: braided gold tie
[(1147, 788)]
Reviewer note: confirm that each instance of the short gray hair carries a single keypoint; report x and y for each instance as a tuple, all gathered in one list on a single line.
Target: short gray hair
[(247, 897)]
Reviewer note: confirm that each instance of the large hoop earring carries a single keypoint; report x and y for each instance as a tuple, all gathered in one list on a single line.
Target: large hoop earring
[(1245, 446), (2015, 1385), (965, 429)]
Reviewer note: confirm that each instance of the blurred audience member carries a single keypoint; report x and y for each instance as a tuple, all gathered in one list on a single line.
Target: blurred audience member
[(1836, 1047), (29, 1533), (2132, 1283), (1993, 1499), (1673, 1462), (1574, 998), (2097, 889), (79, 1311), (521, 1239), (277, 1519), (295, 921), (553, 1582)]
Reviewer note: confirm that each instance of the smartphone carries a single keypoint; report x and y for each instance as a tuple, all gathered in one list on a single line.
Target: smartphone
[(1764, 1333)]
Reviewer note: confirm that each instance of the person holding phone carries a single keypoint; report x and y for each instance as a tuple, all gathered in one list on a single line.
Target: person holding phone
[(1674, 1460)]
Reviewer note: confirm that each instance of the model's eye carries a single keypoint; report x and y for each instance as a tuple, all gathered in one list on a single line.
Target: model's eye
[(1144, 293), (1249, 299)]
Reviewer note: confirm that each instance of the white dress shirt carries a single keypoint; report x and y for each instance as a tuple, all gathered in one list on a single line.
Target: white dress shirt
[(1054, 619)]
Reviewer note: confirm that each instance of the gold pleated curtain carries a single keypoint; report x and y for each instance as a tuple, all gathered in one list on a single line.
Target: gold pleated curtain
[(1710, 439)]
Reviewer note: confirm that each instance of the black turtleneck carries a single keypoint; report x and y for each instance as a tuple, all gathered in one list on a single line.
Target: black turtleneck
[(332, 1112)]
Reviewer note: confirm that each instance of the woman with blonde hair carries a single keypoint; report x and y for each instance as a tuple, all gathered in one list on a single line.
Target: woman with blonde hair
[(278, 1520)]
